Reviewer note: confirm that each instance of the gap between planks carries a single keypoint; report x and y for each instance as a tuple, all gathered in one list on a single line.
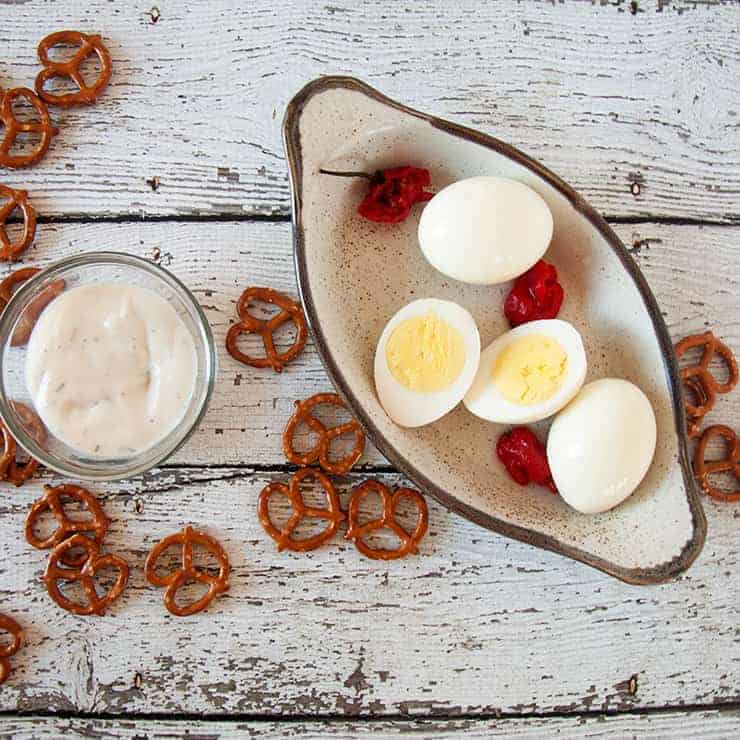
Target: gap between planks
[(87, 218), (716, 723), (343, 719)]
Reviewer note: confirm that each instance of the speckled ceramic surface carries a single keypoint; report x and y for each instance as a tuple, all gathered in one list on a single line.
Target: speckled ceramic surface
[(354, 275)]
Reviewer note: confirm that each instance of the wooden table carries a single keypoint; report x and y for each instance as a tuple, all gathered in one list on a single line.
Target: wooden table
[(637, 105)]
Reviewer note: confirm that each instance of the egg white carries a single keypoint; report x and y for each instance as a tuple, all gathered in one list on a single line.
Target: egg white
[(409, 408), (485, 230), (485, 400), (601, 446)]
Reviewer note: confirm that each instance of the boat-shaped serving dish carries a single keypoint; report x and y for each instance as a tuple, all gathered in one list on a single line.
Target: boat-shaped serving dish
[(353, 275)]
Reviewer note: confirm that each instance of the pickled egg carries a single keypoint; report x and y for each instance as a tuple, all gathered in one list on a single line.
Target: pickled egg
[(485, 230), (528, 373), (425, 361), (601, 445)]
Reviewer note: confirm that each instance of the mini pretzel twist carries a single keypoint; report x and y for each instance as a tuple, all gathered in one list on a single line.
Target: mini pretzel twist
[(12, 281), (11, 250), (699, 379), (89, 45), (52, 501), (11, 469), (728, 464), (320, 451), (27, 320), (9, 625), (333, 513), (409, 540), (85, 575), (693, 423), (13, 127), (177, 578), (248, 324)]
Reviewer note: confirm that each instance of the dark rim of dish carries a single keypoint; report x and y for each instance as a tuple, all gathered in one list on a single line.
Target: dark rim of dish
[(638, 576)]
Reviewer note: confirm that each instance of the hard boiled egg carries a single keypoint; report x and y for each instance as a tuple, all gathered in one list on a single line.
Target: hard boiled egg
[(425, 361), (528, 373), (601, 445), (485, 230)]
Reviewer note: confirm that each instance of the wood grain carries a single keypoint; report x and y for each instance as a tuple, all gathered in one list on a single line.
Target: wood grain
[(637, 110), (250, 407), (636, 105), (475, 624), (706, 724)]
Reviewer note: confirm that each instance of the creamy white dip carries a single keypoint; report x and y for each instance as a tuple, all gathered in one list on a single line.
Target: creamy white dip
[(111, 369)]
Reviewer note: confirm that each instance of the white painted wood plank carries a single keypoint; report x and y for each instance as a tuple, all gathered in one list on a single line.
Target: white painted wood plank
[(603, 97), (250, 407), (704, 724), (475, 624)]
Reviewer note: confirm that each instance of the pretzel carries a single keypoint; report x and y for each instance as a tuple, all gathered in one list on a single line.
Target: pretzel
[(89, 45), (94, 562), (12, 280), (730, 463), (320, 451), (693, 423), (13, 127), (10, 251), (333, 513), (9, 625), (177, 578), (409, 540), (700, 381), (97, 524), (11, 470), (289, 311), (27, 320)]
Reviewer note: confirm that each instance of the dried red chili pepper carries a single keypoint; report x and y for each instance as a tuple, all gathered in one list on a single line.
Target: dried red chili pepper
[(536, 294), (392, 192), (525, 458)]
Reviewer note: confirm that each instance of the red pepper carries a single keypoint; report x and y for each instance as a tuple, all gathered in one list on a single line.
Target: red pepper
[(393, 192), (536, 294), (525, 458)]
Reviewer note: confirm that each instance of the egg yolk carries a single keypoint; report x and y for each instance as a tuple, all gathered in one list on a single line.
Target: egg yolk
[(530, 369), (425, 354)]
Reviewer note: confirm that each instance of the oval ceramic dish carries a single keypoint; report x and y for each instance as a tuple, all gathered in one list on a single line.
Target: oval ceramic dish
[(353, 275)]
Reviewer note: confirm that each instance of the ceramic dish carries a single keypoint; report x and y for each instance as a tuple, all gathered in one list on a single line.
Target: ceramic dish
[(108, 267), (354, 275)]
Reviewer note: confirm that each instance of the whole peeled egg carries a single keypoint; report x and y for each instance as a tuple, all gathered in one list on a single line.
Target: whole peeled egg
[(425, 361), (601, 445), (528, 373), (485, 230)]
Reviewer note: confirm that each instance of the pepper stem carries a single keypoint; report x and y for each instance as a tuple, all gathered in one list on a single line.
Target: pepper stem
[(342, 173)]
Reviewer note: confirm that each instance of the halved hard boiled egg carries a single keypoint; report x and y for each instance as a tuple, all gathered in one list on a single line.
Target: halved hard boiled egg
[(485, 230), (426, 359), (528, 373)]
